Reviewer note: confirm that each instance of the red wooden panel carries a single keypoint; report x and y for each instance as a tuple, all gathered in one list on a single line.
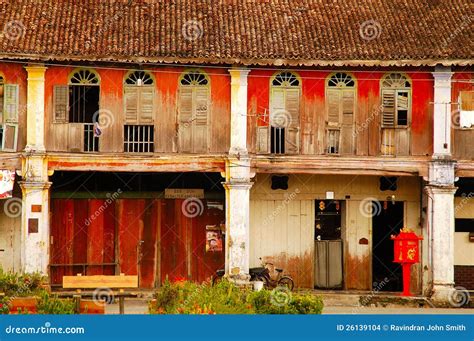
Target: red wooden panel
[(109, 222), (81, 214), (130, 212), (172, 242), (95, 235), (148, 237), (204, 264)]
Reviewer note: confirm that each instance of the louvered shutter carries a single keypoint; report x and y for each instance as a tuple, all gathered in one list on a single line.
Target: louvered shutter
[(131, 104), (388, 111), (10, 137), (263, 140), (185, 119), (60, 103), (333, 107), (278, 114), (346, 135), (292, 106), (200, 112), (11, 103), (146, 104)]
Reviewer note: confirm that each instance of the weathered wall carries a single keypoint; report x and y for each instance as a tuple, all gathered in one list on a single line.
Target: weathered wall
[(367, 114), (463, 249), (10, 232), (282, 223), (165, 109), (462, 139)]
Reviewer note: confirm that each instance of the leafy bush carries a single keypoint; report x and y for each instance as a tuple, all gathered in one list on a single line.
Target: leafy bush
[(20, 285), (53, 305), (226, 298)]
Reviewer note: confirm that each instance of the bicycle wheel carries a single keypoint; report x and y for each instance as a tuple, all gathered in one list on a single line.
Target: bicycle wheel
[(286, 281)]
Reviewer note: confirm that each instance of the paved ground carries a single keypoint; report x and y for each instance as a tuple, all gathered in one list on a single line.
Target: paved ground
[(139, 306)]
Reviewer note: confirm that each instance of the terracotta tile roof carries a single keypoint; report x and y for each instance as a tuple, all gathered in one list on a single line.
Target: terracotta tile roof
[(279, 32)]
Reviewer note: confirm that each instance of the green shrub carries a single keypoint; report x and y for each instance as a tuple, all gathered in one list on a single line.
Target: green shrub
[(53, 305), (20, 285), (226, 298)]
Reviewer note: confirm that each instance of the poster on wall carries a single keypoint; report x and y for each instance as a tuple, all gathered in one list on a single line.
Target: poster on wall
[(213, 238), (7, 178)]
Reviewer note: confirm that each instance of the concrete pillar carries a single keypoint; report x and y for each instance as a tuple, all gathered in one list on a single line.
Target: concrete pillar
[(238, 109), (35, 109), (442, 112), (237, 183), (35, 185), (440, 191)]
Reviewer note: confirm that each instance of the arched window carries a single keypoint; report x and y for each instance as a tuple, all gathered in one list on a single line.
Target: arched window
[(285, 113), (396, 112), (139, 96), (193, 112), (396, 100), (340, 107), (84, 93), (139, 93)]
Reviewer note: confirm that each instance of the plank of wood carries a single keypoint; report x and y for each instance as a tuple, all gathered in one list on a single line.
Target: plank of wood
[(100, 281)]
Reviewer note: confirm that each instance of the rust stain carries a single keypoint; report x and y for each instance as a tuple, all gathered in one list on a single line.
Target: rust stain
[(299, 267), (357, 273)]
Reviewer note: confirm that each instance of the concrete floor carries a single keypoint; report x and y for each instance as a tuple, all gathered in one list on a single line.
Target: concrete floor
[(139, 306)]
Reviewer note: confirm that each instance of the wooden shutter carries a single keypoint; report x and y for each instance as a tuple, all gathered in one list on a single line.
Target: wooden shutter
[(60, 103), (292, 106), (333, 107), (131, 104), (146, 104), (200, 118), (278, 105), (10, 137), (263, 139), (347, 126), (11, 103), (388, 111), (185, 119), (467, 100)]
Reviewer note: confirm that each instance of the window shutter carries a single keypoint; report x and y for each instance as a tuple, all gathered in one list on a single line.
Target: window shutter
[(10, 137), (263, 139), (11, 103), (467, 100), (292, 105), (131, 104), (278, 108), (185, 119), (388, 111), (200, 119), (333, 107), (60, 103), (146, 104)]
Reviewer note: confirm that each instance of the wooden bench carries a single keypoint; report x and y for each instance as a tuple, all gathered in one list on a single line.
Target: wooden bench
[(121, 283)]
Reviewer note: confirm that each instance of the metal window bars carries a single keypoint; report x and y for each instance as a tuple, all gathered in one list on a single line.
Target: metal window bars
[(139, 138)]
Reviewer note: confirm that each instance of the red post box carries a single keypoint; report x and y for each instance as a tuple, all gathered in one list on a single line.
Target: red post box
[(406, 252)]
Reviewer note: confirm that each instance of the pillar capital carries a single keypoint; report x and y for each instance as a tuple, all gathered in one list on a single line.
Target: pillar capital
[(36, 72), (238, 76)]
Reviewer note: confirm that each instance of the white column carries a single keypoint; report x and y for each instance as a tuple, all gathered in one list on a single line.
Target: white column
[(35, 227), (442, 112), (238, 109), (35, 187), (238, 184), (440, 191), (35, 109)]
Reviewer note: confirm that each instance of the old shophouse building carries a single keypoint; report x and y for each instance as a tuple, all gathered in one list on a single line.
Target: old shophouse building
[(173, 138)]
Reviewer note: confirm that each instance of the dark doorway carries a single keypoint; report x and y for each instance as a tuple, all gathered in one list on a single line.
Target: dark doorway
[(387, 220)]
